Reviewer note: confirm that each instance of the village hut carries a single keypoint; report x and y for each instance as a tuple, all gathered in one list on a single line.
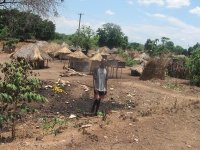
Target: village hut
[(113, 51), (32, 54), (104, 51), (95, 60), (155, 69), (91, 53), (62, 53), (51, 48), (79, 61)]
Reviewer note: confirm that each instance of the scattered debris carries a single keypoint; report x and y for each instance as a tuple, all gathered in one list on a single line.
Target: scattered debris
[(85, 88), (86, 126), (72, 116), (70, 72), (111, 89)]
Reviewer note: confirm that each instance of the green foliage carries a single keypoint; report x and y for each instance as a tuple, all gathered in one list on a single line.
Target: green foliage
[(24, 25), (53, 125), (85, 38), (17, 88), (112, 36), (129, 61), (194, 67), (153, 48), (135, 46), (193, 48)]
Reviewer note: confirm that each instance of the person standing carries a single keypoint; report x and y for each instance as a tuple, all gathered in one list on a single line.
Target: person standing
[(100, 78)]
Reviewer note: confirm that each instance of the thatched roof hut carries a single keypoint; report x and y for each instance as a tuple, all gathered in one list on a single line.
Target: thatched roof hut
[(113, 51), (62, 53), (95, 61), (91, 53), (32, 53), (78, 54), (103, 49), (51, 48), (96, 57), (79, 61)]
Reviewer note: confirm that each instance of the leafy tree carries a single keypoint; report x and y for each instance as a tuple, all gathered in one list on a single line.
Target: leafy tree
[(151, 46), (17, 88), (180, 50), (25, 25), (112, 36), (194, 67), (193, 48), (86, 38), (41, 7)]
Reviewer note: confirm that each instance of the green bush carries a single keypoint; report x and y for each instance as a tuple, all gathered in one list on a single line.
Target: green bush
[(17, 88), (193, 64)]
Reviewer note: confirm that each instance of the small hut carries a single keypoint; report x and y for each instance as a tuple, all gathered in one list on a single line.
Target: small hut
[(95, 61), (91, 53), (62, 53), (79, 61), (113, 51), (31, 53), (51, 48), (104, 51)]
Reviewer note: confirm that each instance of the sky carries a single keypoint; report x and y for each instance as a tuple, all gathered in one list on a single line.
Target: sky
[(178, 20)]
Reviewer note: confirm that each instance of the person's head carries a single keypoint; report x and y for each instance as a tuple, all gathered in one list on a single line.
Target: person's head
[(103, 63)]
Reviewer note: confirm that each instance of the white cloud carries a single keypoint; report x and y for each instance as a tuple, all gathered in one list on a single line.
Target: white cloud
[(148, 2), (180, 32), (130, 2), (195, 11), (177, 3), (167, 3), (110, 12)]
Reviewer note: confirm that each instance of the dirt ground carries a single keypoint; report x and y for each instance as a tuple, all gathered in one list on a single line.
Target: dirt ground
[(141, 115)]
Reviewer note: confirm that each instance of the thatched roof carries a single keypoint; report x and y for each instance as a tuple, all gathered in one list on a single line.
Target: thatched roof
[(61, 51), (92, 51), (119, 58), (116, 57), (31, 52), (103, 49), (78, 54), (41, 43), (51, 47), (65, 45), (96, 57)]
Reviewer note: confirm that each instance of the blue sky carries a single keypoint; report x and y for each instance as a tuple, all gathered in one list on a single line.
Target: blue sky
[(139, 19)]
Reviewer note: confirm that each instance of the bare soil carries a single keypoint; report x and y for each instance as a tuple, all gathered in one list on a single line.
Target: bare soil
[(141, 115)]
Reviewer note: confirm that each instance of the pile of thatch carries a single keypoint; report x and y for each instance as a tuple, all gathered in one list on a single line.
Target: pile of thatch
[(155, 69), (177, 67), (31, 52)]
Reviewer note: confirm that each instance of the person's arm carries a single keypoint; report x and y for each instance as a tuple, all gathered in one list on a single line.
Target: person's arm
[(94, 79)]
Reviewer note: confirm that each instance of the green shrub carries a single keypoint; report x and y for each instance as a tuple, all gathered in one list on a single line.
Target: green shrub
[(17, 88), (193, 64)]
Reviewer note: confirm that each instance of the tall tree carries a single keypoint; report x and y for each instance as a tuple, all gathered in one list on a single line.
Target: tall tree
[(111, 35), (85, 38)]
